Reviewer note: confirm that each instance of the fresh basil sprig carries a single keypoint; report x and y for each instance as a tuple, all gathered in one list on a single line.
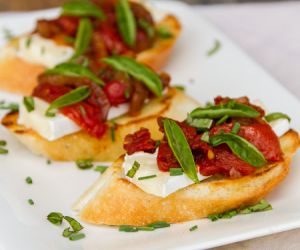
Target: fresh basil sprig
[(74, 70), (136, 70), (74, 96), (28, 103), (241, 148), (83, 37), (231, 109), (126, 22), (181, 149), (275, 116), (83, 9)]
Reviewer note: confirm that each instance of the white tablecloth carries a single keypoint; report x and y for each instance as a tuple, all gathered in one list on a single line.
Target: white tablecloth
[(269, 33)]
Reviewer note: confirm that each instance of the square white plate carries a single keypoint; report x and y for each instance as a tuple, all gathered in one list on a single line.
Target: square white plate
[(228, 72)]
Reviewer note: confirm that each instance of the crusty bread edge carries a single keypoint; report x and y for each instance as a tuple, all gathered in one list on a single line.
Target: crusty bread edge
[(121, 202)]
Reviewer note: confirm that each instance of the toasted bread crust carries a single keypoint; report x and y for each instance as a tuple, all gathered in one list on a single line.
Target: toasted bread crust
[(19, 76), (80, 145), (119, 201)]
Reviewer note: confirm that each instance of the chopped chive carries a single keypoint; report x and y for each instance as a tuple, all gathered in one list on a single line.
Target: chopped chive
[(146, 228), (159, 224), (29, 180), (215, 48), (147, 177), (127, 93), (135, 167), (179, 87), (113, 133), (30, 201), (146, 27), (28, 42), (76, 226), (67, 232), (163, 32), (49, 162), (276, 116), (2, 143), (128, 229), (236, 128), (3, 151), (101, 169), (55, 218), (157, 143), (222, 120), (193, 228), (176, 171), (84, 164), (79, 236), (9, 106), (8, 35), (29, 103), (205, 137)]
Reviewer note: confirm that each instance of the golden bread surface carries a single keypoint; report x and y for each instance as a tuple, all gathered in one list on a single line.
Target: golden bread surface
[(113, 200), (19, 76), (78, 146)]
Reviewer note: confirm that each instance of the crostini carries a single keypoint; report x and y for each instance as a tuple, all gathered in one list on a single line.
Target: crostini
[(88, 31), (222, 157), (74, 115)]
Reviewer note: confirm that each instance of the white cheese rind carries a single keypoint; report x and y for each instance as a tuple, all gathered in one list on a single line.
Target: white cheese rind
[(50, 128), (36, 49), (163, 184)]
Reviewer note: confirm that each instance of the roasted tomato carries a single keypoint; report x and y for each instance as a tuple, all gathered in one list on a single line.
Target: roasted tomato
[(116, 92)]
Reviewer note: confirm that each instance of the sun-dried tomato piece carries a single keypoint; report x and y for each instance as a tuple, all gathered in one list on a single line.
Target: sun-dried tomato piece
[(116, 92), (139, 141), (166, 158)]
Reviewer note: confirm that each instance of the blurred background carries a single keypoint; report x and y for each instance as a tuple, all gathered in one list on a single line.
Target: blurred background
[(6, 5)]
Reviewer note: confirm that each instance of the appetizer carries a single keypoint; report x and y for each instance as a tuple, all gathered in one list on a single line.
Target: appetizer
[(88, 31), (221, 157), (74, 115)]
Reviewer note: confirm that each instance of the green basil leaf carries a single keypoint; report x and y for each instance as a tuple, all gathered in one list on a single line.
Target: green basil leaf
[(83, 37), (28, 103), (199, 123), (275, 116), (55, 218), (74, 70), (67, 232), (74, 96), (138, 71), (13, 107), (181, 149), (147, 27), (126, 22), (231, 109), (76, 226), (241, 148), (83, 9)]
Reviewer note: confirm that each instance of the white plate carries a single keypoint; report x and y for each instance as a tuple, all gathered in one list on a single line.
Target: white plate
[(56, 186)]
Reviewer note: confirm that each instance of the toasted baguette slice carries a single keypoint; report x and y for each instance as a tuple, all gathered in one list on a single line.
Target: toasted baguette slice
[(113, 200), (175, 104), (19, 76)]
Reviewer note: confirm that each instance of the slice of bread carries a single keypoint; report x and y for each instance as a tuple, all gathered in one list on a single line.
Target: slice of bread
[(113, 200), (78, 146), (19, 76)]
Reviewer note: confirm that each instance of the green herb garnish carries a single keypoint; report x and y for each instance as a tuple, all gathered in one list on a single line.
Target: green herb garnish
[(150, 227), (138, 71), (48, 162), (126, 22), (164, 32), (179, 87), (201, 124), (55, 218), (3, 151), (8, 35), (128, 229), (3, 143), (159, 224), (147, 177), (28, 103), (135, 167), (205, 137), (73, 97), (31, 202), (181, 149), (241, 148), (275, 116), (82, 9), (262, 206), (83, 37), (222, 120), (13, 107), (193, 228), (67, 232), (146, 26), (113, 133), (236, 128), (231, 109), (74, 70), (215, 48), (84, 164), (175, 171), (74, 237), (69, 39), (76, 226), (28, 42), (28, 180), (101, 169)]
